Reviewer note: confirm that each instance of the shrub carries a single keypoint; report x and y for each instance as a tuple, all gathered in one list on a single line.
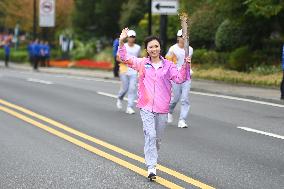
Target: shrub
[(203, 56), (229, 35), (240, 59), (265, 69), (83, 50), (204, 24), (19, 56), (104, 55)]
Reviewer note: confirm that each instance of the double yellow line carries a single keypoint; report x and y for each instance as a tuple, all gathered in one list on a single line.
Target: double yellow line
[(6, 107)]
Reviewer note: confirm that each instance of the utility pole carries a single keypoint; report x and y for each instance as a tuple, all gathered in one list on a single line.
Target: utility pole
[(150, 17), (34, 20), (163, 32)]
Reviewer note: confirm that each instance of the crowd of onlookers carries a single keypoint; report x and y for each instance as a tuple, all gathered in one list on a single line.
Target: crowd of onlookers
[(38, 51)]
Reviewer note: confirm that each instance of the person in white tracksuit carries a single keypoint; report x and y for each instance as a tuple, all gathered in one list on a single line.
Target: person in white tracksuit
[(180, 92), (128, 76)]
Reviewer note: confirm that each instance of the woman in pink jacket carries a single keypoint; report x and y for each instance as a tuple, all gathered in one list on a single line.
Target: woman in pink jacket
[(154, 92)]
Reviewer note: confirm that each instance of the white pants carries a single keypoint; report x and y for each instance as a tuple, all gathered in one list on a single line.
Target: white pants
[(129, 83), (153, 127)]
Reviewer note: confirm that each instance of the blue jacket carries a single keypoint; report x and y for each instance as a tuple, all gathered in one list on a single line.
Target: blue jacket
[(7, 49), (30, 49), (36, 49), (283, 58), (115, 47), (46, 49)]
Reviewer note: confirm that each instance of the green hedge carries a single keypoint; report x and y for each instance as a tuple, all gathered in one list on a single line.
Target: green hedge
[(15, 56), (240, 59), (21, 55), (203, 56), (230, 35)]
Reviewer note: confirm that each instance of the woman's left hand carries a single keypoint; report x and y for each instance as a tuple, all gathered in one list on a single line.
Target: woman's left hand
[(188, 60)]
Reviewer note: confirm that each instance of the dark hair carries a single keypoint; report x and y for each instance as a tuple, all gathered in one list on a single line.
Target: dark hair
[(151, 38)]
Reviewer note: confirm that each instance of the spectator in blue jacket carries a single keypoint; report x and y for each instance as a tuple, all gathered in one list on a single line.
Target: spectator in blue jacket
[(7, 53), (36, 54), (282, 83), (116, 63), (46, 51), (30, 52), (41, 53)]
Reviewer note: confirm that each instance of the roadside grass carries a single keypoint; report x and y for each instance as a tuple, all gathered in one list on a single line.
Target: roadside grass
[(233, 77)]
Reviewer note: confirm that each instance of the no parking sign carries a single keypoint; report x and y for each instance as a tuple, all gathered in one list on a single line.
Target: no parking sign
[(47, 13)]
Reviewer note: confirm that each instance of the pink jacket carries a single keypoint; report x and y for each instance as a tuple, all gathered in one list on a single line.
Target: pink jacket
[(154, 86)]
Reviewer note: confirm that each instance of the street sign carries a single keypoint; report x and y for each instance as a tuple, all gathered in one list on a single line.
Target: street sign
[(47, 13), (165, 7)]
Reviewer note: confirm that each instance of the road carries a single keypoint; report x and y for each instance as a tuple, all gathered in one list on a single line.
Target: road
[(62, 131)]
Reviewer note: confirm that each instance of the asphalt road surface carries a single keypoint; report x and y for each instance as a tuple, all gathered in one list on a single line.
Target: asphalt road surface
[(62, 131)]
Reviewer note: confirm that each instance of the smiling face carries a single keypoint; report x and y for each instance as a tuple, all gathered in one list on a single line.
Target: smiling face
[(153, 48)]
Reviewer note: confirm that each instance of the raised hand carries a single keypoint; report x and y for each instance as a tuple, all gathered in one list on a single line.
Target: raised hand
[(123, 35)]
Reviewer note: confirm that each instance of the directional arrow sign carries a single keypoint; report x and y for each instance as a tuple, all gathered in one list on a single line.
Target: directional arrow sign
[(165, 7)]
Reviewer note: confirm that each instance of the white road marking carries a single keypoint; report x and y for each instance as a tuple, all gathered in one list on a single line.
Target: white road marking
[(262, 132), (58, 75), (238, 99), (87, 79), (112, 96), (39, 81), (218, 96), (107, 94), (192, 92)]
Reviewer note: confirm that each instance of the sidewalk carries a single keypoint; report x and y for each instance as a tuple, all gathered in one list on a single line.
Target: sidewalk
[(245, 91)]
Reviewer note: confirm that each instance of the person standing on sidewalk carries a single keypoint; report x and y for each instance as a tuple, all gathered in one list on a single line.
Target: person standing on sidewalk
[(7, 53), (154, 92), (116, 63), (176, 54), (128, 76), (31, 52), (37, 54), (282, 83), (46, 50)]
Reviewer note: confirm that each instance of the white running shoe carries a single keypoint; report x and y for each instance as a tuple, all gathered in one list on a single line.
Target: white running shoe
[(119, 104), (152, 174), (170, 118), (129, 110), (182, 124), (153, 171)]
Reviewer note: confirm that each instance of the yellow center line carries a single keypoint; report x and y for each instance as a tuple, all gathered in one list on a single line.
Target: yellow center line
[(107, 145), (90, 148)]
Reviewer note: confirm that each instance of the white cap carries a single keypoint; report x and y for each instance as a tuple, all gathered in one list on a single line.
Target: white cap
[(131, 33), (179, 33)]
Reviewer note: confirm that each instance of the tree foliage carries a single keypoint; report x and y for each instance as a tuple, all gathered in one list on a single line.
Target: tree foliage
[(21, 12), (96, 18)]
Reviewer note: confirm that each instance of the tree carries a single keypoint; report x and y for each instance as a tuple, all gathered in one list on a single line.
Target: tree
[(132, 12), (265, 8), (229, 35), (96, 18), (203, 26), (21, 11)]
